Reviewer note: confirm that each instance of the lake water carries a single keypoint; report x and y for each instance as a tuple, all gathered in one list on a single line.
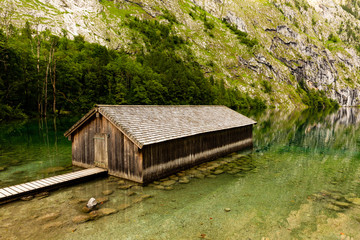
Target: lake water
[(300, 181)]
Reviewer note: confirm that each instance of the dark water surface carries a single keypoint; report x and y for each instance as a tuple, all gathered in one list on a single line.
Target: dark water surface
[(301, 181)]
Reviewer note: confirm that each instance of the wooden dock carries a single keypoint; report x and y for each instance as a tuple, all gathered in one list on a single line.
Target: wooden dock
[(17, 191)]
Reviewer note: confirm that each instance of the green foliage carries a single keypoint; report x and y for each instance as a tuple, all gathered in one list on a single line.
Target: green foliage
[(351, 8), (357, 47), (237, 100), (333, 38), (9, 113), (85, 74), (192, 15), (169, 16), (207, 23), (267, 88), (315, 99), (301, 4), (242, 36)]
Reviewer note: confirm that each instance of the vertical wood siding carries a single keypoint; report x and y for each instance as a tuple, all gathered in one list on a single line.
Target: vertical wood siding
[(165, 158), (123, 154)]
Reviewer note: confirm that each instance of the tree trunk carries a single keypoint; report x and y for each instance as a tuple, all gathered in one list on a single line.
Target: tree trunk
[(38, 70), (54, 85), (48, 70)]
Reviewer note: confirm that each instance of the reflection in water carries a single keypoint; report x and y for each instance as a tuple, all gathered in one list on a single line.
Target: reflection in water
[(34, 149), (301, 181)]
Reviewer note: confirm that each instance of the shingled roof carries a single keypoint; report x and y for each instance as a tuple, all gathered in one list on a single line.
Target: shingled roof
[(146, 125)]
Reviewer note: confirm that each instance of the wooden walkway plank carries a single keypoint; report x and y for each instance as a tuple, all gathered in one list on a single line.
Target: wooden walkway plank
[(30, 186), (10, 190), (5, 192), (36, 184), (22, 188), (14, 192), (27, 187), (18, 190)]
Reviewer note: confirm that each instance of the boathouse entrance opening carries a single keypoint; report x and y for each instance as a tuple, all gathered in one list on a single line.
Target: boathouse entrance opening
[(101, 150)]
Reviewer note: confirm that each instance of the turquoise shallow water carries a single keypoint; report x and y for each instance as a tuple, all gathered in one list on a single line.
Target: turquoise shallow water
[(300, 181)]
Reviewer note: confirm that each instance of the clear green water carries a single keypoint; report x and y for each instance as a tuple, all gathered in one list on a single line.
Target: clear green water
[(301, 181)]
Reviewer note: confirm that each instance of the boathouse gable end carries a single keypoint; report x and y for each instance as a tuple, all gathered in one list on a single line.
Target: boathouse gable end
[(144, 143)]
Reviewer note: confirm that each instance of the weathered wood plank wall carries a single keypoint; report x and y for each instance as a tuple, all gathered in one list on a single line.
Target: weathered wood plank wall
[(165, 158), (123, 154)]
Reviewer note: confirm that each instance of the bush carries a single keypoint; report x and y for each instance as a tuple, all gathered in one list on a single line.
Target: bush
[(242, 36), (315, 99), (267, 88), (9, 113)]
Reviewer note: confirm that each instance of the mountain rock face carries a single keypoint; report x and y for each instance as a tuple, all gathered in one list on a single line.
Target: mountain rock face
[(312, 42)]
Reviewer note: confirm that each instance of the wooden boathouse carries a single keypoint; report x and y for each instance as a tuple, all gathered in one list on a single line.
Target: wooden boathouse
[(144, 143)]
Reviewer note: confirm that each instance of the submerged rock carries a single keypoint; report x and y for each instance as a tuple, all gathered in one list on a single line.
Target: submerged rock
[(174, 177), (200, 176), (78, 201), (217, 172), (341, 204), (181, 174), (42, 195), (184, 180), (136, 187), (125, 186), (85, 209), (112, 179), (334, 208), (27, 198), (227, 209), (49, 217), (95, 214), (211, 176), (102, 200), (107, 211), (2, 169), (192, 172), (124, 206), (355, 201), (81, 218), (130, 193), (141, 198), (146, 196), (159, 187), (107, 192), (168, 183), (52, 225)]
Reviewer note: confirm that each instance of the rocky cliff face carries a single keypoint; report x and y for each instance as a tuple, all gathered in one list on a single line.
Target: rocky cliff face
[(312, 41)]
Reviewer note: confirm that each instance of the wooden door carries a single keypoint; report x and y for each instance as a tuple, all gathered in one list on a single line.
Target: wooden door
[(101, 150)]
